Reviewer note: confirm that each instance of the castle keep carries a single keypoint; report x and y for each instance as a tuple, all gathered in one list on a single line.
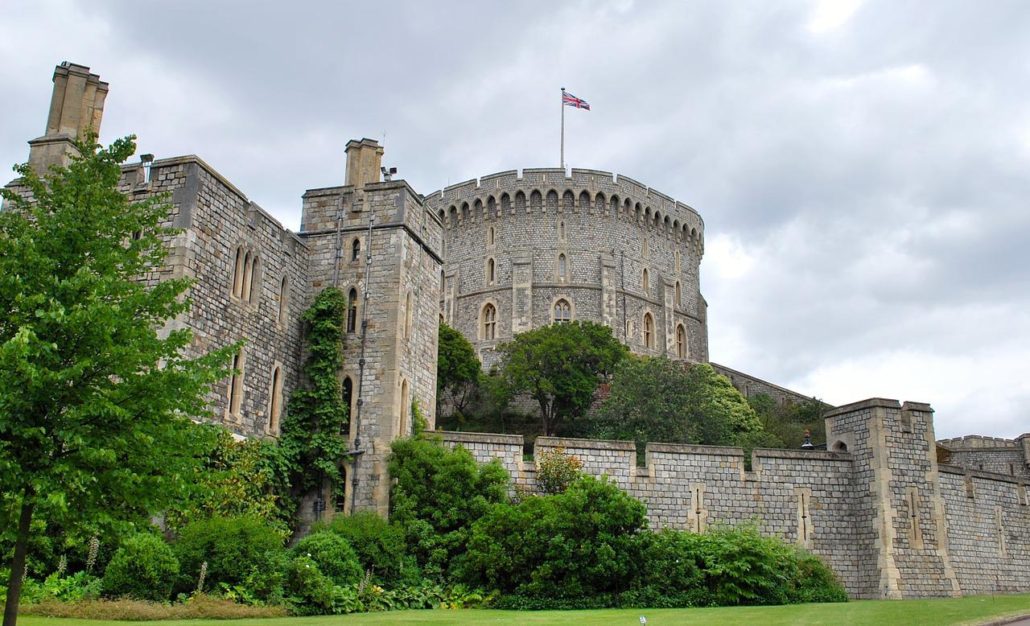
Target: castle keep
[(894, 512)]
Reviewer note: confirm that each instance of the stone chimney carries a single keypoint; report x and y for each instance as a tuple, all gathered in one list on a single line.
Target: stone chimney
[(364, 159), (77, 105)]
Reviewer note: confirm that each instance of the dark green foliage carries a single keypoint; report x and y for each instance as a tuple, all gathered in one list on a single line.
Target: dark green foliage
[(233, 548), (313, 439), (788, 421), (655, 399), (577, 544), (743, 567), (144, 567), (237, 479), (333, 555), (95, 404), (815, 582), (379, 545), (436, 496), (560, 366), (670, 573), (457, 371)]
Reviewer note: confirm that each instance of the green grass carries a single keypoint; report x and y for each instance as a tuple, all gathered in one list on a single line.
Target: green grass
[(937, 612)]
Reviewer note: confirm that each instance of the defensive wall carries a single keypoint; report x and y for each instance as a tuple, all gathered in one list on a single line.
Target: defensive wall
[(526, 249), (876, 506), (991, 454)]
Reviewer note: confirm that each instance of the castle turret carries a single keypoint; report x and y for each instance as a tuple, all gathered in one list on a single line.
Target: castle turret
[(900, 515), (364, 160), (76, 106)]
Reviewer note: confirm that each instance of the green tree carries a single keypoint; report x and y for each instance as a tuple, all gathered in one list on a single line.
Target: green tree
[(95, 405), (457, 370), (655, 399), (788, 421), (560, 366)]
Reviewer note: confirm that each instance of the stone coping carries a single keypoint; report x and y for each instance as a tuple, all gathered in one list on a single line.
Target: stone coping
[(788, 453), (871, 403), (463, 437), (581, 444), (962, 471), (686, 448)]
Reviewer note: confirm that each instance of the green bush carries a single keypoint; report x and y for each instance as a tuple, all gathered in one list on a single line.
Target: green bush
[(333, 555), (379, 545), (815, 582), (555, 470), (233, 548), (569, 546), (670, 573), (436, 495), (144, 567), (743, 567)]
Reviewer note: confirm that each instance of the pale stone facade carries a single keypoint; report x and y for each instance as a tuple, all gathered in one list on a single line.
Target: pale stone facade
[(525, 249), (877, 507)]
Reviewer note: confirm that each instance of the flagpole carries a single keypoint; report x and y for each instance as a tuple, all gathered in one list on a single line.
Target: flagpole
[(563, 128)]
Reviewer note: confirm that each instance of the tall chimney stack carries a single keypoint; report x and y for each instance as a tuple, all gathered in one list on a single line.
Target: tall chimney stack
[(364, 159), (76, 106)]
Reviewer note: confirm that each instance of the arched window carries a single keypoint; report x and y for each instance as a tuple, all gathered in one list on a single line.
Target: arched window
[(563, 267), (490, 234), (648, 331), (355, 249), (562, 312), (561, 231), (489, 322), (244, 280), (236, 385), (491, 274), (284, 300), (348, 394), (275, 402), (679, 294), (645, 282), (237, 276), (352, 310), (681, 342)]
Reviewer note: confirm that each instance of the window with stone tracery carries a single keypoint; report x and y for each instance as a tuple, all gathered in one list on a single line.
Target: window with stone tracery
[(562, 311), (489, 322), (648, 330)]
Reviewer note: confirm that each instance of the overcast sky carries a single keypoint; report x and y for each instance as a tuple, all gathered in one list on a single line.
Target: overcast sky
[(863, 168)]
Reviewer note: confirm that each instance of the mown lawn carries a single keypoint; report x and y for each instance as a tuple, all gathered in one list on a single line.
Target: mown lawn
[(969, 610)]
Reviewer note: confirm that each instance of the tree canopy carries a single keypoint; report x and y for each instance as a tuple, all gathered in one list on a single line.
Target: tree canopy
[(95, 403), (655, 399), (560, 366), (457, 370)]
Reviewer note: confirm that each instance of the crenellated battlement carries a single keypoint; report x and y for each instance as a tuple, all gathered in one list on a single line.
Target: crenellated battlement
[(553, 190)]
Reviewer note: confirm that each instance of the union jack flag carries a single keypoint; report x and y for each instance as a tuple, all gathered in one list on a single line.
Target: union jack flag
[(570, 100)]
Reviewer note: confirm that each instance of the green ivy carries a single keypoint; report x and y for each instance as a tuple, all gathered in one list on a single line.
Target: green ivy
[(313, 443)]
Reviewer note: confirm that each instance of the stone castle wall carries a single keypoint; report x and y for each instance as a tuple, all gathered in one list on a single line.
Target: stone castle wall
[(989, 454), (605, 231), (877, 509), (216, 220)]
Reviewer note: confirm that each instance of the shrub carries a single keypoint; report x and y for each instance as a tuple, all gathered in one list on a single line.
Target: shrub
[(555, 470), (570, 546), (379, 546), (815, 582), (436, 495), (144, 567), (233, 548), (333, 555), (743, 567), (670, 573)]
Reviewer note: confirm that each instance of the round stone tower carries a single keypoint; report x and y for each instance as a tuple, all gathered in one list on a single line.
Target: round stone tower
[(526, 250)]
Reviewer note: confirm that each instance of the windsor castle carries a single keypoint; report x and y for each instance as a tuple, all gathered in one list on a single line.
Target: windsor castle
[(894, 512)]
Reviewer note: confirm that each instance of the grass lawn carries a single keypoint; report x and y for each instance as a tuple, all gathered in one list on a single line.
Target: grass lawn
[(937, 612)]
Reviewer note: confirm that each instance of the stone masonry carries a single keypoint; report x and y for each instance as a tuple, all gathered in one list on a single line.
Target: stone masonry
[(876, 507), (893, 512)]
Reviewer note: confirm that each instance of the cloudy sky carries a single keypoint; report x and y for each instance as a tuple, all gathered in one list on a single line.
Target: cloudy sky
[(863, 168)]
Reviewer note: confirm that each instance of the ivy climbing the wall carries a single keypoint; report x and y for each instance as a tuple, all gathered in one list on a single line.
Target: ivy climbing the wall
[(313, 439)]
